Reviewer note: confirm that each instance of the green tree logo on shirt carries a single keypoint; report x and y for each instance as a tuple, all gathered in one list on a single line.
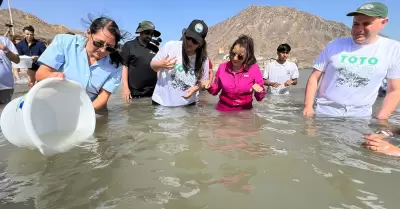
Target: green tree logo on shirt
[(355, 71)]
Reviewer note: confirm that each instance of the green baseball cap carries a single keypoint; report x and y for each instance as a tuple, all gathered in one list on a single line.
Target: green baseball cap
[(147, 25), (372, 9)]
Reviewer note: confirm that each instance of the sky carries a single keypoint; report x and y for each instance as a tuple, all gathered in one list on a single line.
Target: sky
[(170, 17)]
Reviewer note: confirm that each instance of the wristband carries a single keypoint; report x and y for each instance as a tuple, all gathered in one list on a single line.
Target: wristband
[(386, 133)]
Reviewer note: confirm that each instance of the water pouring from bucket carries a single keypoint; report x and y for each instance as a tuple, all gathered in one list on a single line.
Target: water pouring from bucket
[(53, 117)]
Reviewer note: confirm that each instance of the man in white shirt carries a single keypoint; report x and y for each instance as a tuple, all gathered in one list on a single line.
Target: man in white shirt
[(353, 69), (281, 73), (8, 53)]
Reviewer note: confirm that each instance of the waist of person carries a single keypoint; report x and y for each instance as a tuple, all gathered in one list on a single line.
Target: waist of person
[(326, 102)]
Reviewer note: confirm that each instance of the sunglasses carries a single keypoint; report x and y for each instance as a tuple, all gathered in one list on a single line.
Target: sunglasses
[(192, 40), (101, 44), (148, 32), (233, 55)]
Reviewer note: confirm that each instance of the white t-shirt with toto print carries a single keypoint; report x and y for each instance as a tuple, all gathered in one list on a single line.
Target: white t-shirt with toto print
[(172, 84), (353, 73)]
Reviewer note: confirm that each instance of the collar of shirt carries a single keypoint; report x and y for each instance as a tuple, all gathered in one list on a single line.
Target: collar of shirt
[(229, 68)]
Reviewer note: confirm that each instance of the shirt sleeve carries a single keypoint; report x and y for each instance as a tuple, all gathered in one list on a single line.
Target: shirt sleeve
[(258, 79), (113, 82), (162, 53), (295, 72), (126, 54), (215, 86), (266, 71), (206, 70), (19, 48), (54, 55), (394, 69), (42, 48), (322, 60), (11, 46)]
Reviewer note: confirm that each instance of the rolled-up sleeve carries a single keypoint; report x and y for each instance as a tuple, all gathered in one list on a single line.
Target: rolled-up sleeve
[(113, 82), (54, 55)]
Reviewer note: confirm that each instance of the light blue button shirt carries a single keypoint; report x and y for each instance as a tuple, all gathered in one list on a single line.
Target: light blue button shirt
[(67, 54)]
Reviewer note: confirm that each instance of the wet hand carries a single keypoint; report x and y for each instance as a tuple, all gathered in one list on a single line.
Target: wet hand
[(257, 88), (288, 83), (276, 84), (376, 143), (57, 75), (206, 84), (309, 112), (190, 92), (168, 63), (35, 58), (126, 94)]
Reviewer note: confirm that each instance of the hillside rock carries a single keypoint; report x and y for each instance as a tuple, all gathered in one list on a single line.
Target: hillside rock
[(21, 19), (307, 34)]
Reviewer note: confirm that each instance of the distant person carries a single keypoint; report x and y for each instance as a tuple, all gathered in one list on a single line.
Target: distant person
[(182, 65), (138, 78), (238, 79), (281, 73), (32, 47), (90, 60), (8, 54), (353, 69), (16, 71)]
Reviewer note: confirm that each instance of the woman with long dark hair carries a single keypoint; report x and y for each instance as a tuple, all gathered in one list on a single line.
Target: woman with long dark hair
[(181, 66), (90, 60), (239, 78)]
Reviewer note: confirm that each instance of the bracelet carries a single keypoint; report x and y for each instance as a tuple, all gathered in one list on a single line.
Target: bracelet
[(386, 133)]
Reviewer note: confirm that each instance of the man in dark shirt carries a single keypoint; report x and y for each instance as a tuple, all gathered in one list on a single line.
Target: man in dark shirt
[(138, 79), (33, 48)]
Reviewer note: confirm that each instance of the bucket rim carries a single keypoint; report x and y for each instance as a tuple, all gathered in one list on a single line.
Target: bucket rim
[(26, 115)]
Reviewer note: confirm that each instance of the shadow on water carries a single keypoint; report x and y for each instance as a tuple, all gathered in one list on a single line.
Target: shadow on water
[(195, 157)]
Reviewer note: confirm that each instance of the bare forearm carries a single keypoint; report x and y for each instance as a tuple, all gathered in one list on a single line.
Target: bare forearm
[(43, 72), (101, 100), (267, 83), (156, 66), (389, 104), (13, 57), (311, 89), (124, 79)]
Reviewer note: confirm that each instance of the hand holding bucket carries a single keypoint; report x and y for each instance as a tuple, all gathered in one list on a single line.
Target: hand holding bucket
[(53, 117)]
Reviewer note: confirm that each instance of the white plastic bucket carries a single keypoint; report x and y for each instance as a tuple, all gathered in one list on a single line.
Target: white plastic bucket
[(24, 62), (54, 116)]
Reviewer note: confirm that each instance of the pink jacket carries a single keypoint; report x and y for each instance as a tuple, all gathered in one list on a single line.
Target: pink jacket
[(237, 93)]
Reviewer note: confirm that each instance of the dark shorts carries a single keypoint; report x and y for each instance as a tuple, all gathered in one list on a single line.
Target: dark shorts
[(146, 92), (6, 95)]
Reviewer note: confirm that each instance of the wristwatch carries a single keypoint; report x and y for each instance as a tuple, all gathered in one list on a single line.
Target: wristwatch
[(386, 133)]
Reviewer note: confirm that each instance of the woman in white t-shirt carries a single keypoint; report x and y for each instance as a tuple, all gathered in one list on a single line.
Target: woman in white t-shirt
[(181, 66)]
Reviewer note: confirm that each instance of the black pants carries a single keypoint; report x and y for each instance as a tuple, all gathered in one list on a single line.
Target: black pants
[(6, 95)]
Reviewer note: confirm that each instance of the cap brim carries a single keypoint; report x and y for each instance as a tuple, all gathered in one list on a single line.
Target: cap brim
[(194, 35), (362, 13)]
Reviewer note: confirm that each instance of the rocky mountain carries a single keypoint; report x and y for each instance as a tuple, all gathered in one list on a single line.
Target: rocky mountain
[(307, 34), (43, 30)]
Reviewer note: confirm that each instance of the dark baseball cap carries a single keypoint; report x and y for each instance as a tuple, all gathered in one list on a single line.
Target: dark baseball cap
[(197, 30), (147, 25), (372, 9)]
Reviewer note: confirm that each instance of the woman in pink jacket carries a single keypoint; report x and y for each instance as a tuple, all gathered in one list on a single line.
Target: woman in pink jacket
[(238, 79)]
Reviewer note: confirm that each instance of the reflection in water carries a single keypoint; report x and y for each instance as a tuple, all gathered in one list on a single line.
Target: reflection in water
[(196, 157)]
